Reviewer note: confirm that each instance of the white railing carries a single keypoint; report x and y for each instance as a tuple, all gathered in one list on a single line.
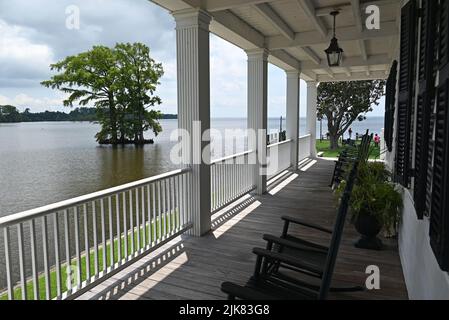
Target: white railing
[(231, 178), (61, 250), (304, 147), (278, 157)]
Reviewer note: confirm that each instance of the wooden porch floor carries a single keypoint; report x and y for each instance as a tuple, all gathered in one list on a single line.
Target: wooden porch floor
[(194, 268)]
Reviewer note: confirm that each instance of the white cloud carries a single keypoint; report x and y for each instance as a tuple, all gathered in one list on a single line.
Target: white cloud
[(21, 60)]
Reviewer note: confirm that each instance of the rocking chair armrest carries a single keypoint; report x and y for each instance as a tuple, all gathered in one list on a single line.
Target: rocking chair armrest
[(287, 259), (294, 245), (288, 219), (237, 291)]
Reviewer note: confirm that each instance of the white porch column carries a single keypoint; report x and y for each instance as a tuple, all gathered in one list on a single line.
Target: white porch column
[(192, 41), (293, 115), (257, 112), (311, 115)]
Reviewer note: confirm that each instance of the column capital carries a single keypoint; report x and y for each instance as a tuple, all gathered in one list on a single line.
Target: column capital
[(311, 84), (192, 18), (293, 73), (259, 53)]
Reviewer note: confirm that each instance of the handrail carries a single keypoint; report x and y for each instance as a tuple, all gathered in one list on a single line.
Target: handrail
[(279, 143), (234, 156), (62, 205), (305, 136)]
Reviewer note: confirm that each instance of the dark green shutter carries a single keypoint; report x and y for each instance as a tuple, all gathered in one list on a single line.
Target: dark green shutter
[(390, 101), (439, 217), (406, 85), (426, 92)]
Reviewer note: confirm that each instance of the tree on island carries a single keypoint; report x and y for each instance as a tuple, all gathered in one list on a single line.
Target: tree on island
[(342, 103), (120, 82)]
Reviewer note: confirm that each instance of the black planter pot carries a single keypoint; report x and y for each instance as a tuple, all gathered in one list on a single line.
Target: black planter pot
[(369, 227)]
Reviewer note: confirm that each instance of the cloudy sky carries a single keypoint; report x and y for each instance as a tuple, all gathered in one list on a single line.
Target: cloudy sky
[(33, 35)]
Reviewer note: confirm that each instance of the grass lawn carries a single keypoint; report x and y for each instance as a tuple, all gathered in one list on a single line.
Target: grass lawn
[(324, 146)]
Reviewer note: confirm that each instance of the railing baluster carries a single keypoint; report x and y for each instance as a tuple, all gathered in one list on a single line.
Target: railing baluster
[(86, 242), (144, 228), (46, 261), (154, 223), (182, 195), (150, 232), (94, 221), (173, 207), (159, 219), (164, 211), (178, 202), (119, 235), (57, 255), (111, 232), (125, 228), (34, 259), (67, 252), (139, 244), (23, 280), (77, 248), (168, 212), (6, 239), (131, 221), (103, 236)]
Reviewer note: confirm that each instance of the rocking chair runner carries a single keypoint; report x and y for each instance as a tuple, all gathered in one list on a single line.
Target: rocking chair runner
[(267, 285)]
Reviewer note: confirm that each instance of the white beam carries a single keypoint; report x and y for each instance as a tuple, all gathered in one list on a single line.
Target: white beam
[(347, 7), (311, 54), (308, 75), (266, 11), (355, 76), (235, 30), (350, 33), (363, 50), (355, 5), (245, 36), (309, 10), (219, 5), (380, 59), (284, 60)]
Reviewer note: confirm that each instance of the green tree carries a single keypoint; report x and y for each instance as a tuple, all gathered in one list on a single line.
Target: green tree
[(140, 75), (342, 103), (91, 76), (121, 82), (9, 113)]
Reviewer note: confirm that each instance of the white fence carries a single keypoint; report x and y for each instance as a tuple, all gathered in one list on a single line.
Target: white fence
[(278, 157), (304, 147), (231, 178), (57, 251)]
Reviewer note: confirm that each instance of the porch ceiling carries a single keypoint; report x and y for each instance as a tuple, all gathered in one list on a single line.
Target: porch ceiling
[(296, 32)]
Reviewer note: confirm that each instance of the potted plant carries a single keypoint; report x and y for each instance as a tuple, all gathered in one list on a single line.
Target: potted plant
[(375, 204)]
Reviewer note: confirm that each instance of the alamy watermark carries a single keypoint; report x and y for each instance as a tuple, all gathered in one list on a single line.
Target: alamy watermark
[(73, 17), (373, 280), (372, 21)]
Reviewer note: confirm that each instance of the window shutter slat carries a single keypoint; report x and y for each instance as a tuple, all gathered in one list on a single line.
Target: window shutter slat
[(406, 84), (439, 214), (424, 103)]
